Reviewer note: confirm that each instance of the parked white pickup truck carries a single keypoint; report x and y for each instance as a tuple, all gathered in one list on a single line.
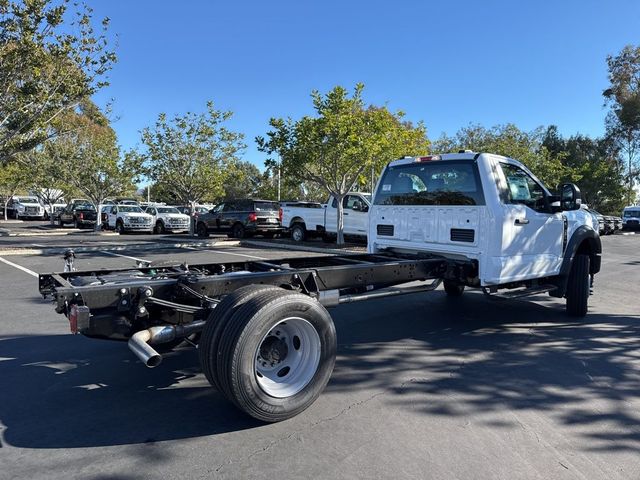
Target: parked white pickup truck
[(129, 218), (307, 219), (168, 219)]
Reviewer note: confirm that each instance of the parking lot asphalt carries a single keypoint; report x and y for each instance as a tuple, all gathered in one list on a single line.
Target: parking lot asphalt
[(424, 387)]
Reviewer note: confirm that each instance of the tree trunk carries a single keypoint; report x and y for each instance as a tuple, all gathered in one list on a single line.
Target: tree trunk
[(340, 220), (194, 222), (6, 207)]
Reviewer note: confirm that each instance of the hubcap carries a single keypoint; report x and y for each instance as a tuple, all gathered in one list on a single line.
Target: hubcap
[(287, 357), (297, 234)]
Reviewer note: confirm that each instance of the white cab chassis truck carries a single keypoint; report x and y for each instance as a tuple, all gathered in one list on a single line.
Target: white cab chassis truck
[(311, 220), (265, 337)]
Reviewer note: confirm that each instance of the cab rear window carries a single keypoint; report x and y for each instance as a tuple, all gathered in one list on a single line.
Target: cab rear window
[(434, 183)]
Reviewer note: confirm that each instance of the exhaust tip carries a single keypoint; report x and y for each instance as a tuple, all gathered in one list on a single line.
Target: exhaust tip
[(154, 361)]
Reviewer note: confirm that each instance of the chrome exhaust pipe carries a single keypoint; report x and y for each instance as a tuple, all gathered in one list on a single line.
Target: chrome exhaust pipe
[(140, 342)]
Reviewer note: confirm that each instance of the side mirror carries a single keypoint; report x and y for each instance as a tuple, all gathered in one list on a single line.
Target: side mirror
[(570, 197)]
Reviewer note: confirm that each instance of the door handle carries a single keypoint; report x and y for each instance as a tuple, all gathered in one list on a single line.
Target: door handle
[(521, 221)]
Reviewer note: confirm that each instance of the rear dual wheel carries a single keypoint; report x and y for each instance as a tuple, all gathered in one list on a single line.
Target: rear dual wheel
[(268, 350)]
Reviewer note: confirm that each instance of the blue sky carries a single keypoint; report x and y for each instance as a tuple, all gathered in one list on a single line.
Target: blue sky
[(445, 63)]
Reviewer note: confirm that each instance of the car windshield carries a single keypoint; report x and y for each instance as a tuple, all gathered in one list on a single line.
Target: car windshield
[(265, 206), (168, 210), (631, 214), (367, 196), (27, 199), (130, 209)]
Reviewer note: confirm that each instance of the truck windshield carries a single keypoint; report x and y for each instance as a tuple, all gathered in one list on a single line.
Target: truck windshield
[(129, 208), (631, 214), (434, 183), (168, 210), (27, 199)]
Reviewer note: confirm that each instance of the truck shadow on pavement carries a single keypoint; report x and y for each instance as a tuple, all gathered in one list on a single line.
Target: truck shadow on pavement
[(476, 358), (427, 354), (69, 391)]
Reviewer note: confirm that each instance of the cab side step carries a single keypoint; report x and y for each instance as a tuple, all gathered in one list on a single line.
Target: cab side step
[(521, 292)]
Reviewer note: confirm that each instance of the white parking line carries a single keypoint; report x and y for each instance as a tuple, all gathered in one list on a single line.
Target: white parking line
[(224, 252), (125, 256), (25, 270)]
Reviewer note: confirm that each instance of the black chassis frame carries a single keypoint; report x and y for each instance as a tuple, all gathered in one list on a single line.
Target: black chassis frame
[(115, 304)]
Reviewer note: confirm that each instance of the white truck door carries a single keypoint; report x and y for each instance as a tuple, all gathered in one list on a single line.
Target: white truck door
[(356, 219), (113, 214), (533, 238)]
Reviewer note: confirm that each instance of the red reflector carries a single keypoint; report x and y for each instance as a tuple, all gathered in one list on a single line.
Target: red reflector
[(428, 158), (280, 215), (73, 319), (252, 217)]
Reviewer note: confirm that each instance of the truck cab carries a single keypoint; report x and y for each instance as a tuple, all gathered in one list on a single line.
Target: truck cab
[(485, 208)]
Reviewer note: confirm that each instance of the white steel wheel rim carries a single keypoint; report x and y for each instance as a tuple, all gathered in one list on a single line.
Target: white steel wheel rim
[(297, 234), (287, 357)]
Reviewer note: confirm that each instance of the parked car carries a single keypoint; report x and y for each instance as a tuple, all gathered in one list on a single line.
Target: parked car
[(129, 218), (631, 218), (241, 218), (53, 211), (80, 213), (602, 226), (168, 219), (25, 207)]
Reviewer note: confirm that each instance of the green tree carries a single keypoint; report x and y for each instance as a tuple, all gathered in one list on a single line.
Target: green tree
[(50, 59), (509, 141), (623, 120), (339, 147), (189, 156), (243, 179), (87, 156), (596, 166), (15, 178)]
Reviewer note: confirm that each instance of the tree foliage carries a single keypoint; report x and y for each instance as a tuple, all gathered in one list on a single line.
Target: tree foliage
[(623, 120), (509, 141), (86, 156), (51, 58), (594, 166), (188, 157), (339, 147)]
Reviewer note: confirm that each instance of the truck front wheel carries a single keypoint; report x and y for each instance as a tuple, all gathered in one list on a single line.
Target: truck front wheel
[(578, 286), (276, 354)]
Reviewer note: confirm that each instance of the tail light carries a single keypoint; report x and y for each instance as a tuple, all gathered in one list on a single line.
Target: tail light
[(252, 217), (428, 158), (280, 215), (80, 215), (73, 319)]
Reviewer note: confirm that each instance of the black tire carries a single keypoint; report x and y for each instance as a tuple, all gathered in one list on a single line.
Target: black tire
[(578, 286), (453, 289), (119, 228), (201, 230), (160, 227), (238, 231), (218, 318), (75, 223), (328, 237), (298, 232), (312, 358), (60, 223)]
